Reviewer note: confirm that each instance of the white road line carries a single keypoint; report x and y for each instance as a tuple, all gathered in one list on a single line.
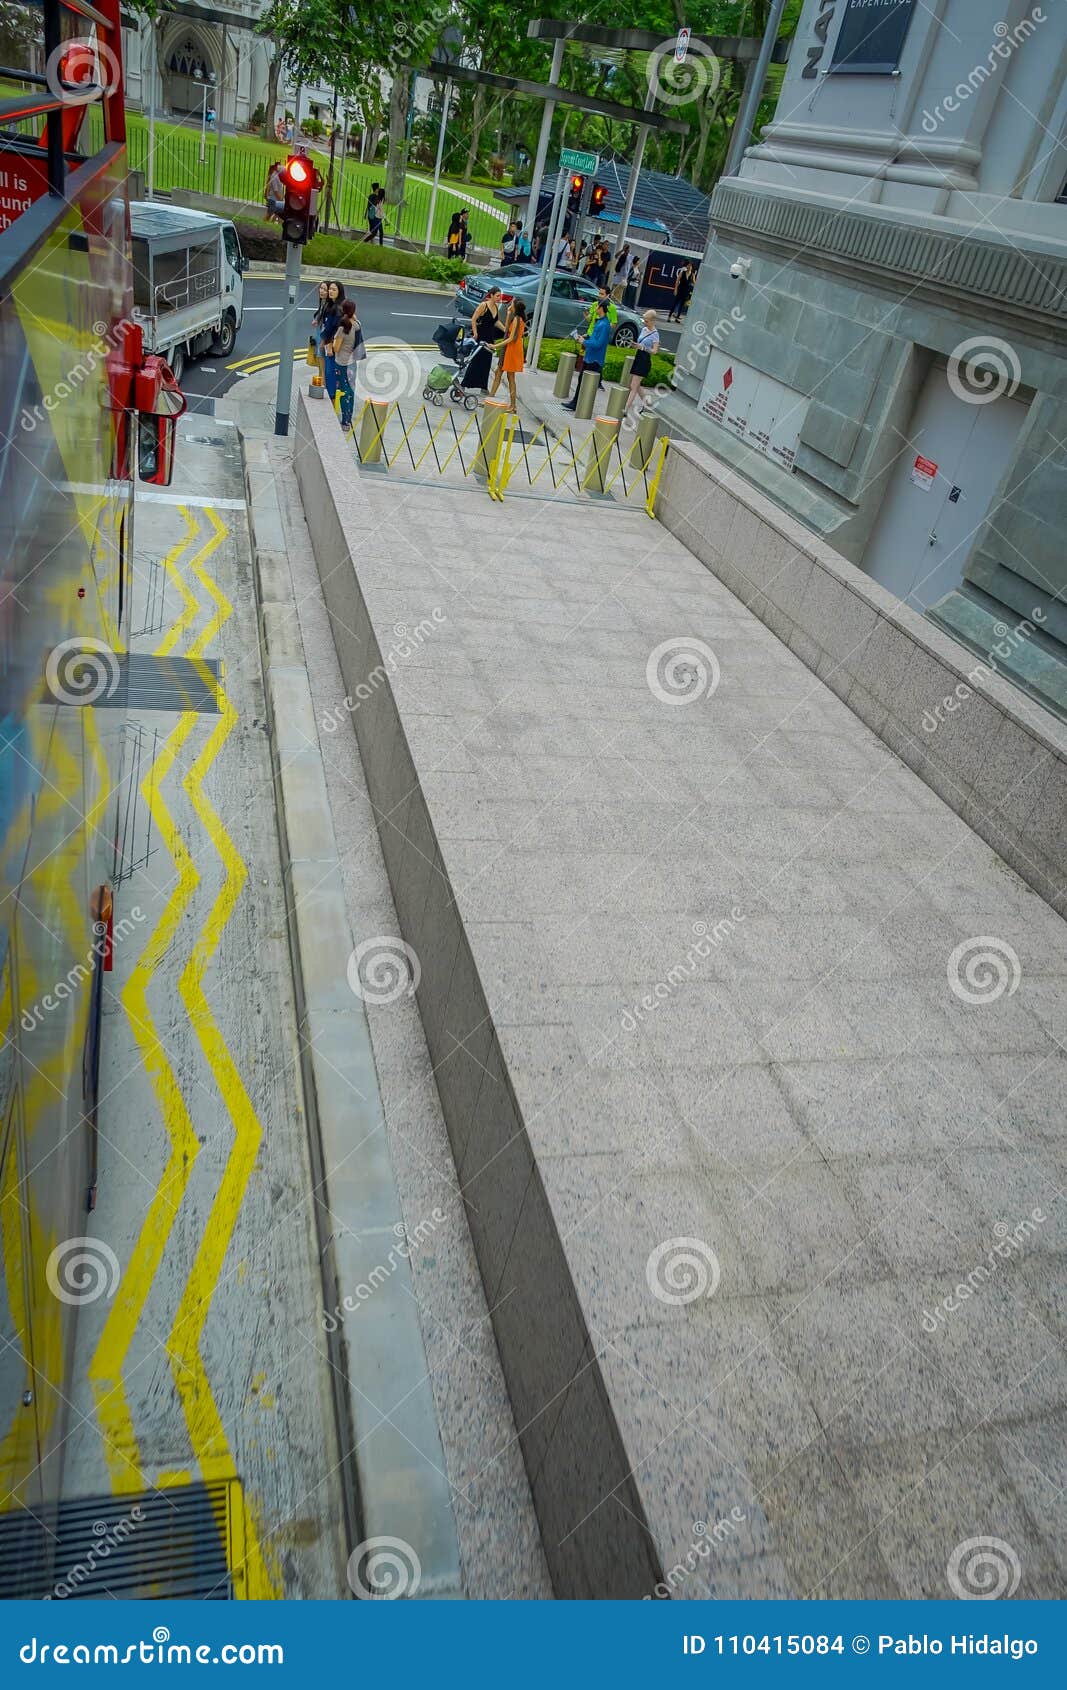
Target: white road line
[(427, 316), (188, 499), (263, 308)]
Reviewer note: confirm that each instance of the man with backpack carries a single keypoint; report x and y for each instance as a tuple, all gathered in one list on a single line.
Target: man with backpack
[(375, 218)]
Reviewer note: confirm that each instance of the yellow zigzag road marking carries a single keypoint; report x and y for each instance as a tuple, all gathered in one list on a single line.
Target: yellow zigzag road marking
[(170, 564), (206, 1430), (106, 1368)]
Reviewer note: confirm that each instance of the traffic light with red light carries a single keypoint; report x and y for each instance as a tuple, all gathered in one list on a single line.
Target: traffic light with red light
[(574, 201), (302, 184), (600, 194)]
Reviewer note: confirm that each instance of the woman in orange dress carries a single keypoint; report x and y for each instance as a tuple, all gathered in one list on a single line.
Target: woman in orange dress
[(512, 361)]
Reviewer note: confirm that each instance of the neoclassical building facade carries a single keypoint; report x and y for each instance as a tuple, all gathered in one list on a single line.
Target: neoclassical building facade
[(216, 46)]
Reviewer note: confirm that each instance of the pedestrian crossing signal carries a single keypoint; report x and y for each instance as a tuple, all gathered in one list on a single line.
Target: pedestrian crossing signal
[(574, 202), (302, 184), (600, 194)]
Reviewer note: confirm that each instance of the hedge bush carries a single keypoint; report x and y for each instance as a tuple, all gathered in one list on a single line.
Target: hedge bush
[(262, 240), (662, 362)]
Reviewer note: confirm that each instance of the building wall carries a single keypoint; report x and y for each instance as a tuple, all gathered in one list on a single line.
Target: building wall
[(870, 248)]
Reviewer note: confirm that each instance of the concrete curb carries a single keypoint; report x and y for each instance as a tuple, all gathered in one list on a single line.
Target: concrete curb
[(395, 1473), (367, 278)]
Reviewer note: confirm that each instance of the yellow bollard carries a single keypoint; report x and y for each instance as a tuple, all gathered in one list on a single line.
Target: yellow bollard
[(372, 421), (491, 419), (641, 450), (587, 391), (627, 369), (616, 400), (600, 449), (565, 375)]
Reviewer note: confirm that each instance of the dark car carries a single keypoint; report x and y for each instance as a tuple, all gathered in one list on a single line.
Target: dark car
[(568, 309)]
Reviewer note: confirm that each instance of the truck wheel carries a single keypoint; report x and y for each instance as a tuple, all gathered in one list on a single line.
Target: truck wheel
[(176, 360), (224, 341)]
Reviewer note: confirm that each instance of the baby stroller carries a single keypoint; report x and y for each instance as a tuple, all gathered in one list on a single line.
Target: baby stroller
[(442, 382)]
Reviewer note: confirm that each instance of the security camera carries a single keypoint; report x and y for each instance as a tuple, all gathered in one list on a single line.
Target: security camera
[(740, 268)]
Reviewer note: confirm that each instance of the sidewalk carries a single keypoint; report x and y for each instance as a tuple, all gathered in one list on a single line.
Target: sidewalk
[(751, 1055)]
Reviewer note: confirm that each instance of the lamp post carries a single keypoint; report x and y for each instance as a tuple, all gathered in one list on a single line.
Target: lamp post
[(207, 82)]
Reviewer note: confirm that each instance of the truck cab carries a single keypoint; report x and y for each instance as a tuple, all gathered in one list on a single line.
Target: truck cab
[(188, 290)]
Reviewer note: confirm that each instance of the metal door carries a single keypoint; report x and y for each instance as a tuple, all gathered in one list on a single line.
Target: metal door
[(940, 490)]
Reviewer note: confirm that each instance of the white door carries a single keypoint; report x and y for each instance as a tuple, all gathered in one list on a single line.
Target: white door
[(940, 491)]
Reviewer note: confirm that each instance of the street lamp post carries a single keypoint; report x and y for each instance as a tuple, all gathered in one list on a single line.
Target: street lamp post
[(206, 83)]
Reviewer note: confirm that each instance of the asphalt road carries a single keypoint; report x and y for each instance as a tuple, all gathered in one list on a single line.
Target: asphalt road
[(385, 312)]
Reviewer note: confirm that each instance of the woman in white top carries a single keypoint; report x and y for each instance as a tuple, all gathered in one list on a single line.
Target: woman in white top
[(566, 258), (647, 344)]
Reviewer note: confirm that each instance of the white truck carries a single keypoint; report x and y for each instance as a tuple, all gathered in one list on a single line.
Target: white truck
[(188, 281)]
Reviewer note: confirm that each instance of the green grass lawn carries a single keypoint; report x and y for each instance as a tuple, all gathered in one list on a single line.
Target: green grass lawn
[(247, 158), (662, 362)]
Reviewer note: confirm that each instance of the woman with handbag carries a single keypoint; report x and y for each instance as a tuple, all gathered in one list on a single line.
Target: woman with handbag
[(347, 348), (328, 327), (314, 356), (487, 329)]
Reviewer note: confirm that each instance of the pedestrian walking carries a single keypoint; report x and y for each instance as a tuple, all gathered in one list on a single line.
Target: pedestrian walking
[(513, 361), (633, 281), (595, 347), (603, 298), (375, 215), (347, 348), (328, 327), (487, 330), (647, 346), (465, 236), (683, 293), (454, 238), (621, 273), (507, 246), (275, 194)]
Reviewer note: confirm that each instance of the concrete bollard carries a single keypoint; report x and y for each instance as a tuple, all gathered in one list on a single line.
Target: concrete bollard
[(596, 470), (642, 448), (565, 375), (627, 368), (372, 421), (491, 421), (587, 394), (316, 389), (616, 400)]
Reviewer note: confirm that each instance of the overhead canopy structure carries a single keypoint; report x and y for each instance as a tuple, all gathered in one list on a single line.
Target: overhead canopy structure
[(665, 207), (563, 97), (592, 42)]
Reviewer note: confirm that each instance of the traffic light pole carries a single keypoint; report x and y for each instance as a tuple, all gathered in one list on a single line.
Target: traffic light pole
[(288, 339), (548, 267)]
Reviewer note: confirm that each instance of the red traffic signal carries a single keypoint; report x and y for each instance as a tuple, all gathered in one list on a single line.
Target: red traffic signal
[(302, 182), (600, 194), (574, 200)]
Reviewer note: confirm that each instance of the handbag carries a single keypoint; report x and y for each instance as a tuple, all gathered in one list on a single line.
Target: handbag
[(359, 347)]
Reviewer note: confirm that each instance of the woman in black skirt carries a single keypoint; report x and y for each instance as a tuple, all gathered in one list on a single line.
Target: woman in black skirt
[(647, 344)]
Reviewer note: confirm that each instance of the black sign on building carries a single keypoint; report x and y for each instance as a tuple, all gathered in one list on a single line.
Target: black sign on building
[(871, 38)]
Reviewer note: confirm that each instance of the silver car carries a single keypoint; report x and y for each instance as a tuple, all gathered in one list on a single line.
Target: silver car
[(568, 309)]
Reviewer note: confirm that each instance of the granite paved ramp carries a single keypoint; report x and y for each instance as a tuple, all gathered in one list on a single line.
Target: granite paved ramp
[(750, 1051)]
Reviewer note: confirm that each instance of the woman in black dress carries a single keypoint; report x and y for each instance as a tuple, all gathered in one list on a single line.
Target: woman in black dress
[(487, 329)]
